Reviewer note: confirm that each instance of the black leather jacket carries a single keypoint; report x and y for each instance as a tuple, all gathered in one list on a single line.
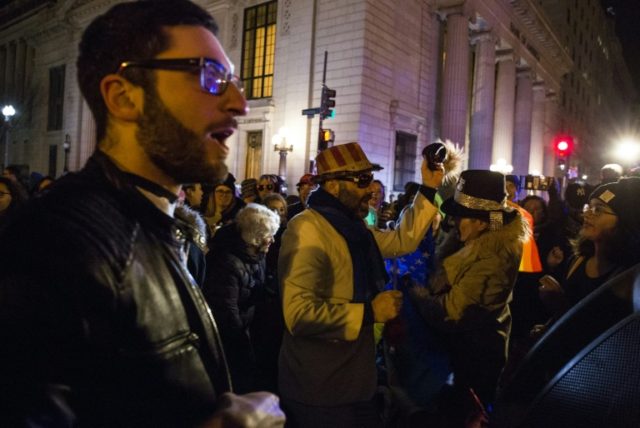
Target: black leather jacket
[(100, 322)]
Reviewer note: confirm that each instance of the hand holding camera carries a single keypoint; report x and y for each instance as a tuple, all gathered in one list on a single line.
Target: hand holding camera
[(434, 156)]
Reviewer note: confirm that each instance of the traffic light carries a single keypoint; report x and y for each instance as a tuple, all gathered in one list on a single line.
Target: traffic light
[(328, 136), (327, 102), (325, 136), (563, 145)]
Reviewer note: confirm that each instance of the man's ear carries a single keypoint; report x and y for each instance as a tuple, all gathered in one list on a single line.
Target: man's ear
[(332, 187), (123, 99)]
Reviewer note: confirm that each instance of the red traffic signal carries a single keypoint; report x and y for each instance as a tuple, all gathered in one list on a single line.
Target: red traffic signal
[(563, 145)]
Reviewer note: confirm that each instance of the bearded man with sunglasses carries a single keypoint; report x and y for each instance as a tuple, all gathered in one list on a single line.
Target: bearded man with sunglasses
[(101, 323), (331, 273)]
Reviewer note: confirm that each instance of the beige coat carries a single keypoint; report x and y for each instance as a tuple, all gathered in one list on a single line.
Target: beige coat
[(469, 299), (327, 358)]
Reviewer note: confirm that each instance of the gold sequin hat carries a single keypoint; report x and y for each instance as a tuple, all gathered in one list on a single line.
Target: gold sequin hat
[(480, 194)]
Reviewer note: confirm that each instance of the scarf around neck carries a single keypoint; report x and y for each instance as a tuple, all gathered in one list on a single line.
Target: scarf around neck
[(369, 275)]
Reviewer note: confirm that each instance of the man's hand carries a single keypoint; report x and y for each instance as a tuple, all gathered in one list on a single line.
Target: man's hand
[(256, 409), (386, 305), (430, 178)]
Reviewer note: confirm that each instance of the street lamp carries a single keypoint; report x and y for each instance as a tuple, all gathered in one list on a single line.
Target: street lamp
[(628, 150), (280, 145), (8, 111), (501, 166), (67, 148)]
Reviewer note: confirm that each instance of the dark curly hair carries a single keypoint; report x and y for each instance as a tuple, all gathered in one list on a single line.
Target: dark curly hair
[(130, 31), (622, 248)]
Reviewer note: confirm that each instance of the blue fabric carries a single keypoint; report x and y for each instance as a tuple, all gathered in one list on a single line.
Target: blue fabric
[(418, 354)]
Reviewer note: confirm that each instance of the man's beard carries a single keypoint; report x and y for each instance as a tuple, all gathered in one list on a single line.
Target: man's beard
[(359, 206), (174, 149)]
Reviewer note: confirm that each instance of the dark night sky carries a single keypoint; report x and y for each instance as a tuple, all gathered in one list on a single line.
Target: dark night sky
[(627, 16)]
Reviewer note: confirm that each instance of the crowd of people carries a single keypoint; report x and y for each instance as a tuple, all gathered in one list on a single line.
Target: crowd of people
[(152, 289)]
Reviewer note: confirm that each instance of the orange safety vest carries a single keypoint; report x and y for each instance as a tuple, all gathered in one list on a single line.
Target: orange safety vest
[(530, 261)]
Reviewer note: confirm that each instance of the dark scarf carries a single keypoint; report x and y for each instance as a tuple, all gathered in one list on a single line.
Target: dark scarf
[(369, 275)]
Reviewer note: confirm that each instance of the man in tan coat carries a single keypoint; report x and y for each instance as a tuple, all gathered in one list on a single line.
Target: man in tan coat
[(331, 273)]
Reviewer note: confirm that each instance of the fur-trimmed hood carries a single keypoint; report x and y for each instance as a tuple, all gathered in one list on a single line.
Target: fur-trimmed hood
[(195, 225), (480, 276), (510, 237)]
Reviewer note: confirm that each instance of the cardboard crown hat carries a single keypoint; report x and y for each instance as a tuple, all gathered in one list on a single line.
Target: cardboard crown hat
[(343, 158)]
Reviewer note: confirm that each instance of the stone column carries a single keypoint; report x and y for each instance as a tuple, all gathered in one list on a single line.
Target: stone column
[(9, 76), (536, 154), (430, 71), (21, 52), (504, 100), (522, 123), (455, 84), (3, 67), (481, 139), (550, 130)]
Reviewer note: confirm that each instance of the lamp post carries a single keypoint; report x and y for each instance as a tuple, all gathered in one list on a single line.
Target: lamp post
[(67, 148), (501, 166), (280, 145), (8, 111), (628, 151)]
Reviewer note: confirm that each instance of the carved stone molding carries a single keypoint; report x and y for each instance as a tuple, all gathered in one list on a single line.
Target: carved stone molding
[(482, 36), (539, 85), (235, 30), (524, 72), (286, 17), (401, 118), (505, 55)]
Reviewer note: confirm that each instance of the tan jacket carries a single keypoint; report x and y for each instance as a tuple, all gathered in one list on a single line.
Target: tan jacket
[(473, 288), (326, 357)]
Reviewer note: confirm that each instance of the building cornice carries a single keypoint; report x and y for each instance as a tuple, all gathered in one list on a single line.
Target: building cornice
[(516, 26)]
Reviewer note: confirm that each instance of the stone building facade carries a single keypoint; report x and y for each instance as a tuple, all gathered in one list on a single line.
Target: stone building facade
[(486, 74), (597, 93)]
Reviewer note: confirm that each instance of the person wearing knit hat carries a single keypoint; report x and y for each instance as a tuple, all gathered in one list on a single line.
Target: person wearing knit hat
[(220, 204), (305, 186), (331, 272), (608, 243), (610, 173), (249, 190)]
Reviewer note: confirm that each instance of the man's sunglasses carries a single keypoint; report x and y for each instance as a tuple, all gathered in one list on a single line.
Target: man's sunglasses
[(362, 180), (263, 187), (214, 77)]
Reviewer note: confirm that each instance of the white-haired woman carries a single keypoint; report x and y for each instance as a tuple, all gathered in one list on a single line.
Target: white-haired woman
[(234, 283)]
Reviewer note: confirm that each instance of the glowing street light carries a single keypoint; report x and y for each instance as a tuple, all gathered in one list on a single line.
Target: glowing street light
[(281, 145), (8, 111), (628, 150), (502, 166)]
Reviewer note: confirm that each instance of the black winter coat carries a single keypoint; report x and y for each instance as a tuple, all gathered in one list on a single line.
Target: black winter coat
[(100, 322), (234, 284)]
